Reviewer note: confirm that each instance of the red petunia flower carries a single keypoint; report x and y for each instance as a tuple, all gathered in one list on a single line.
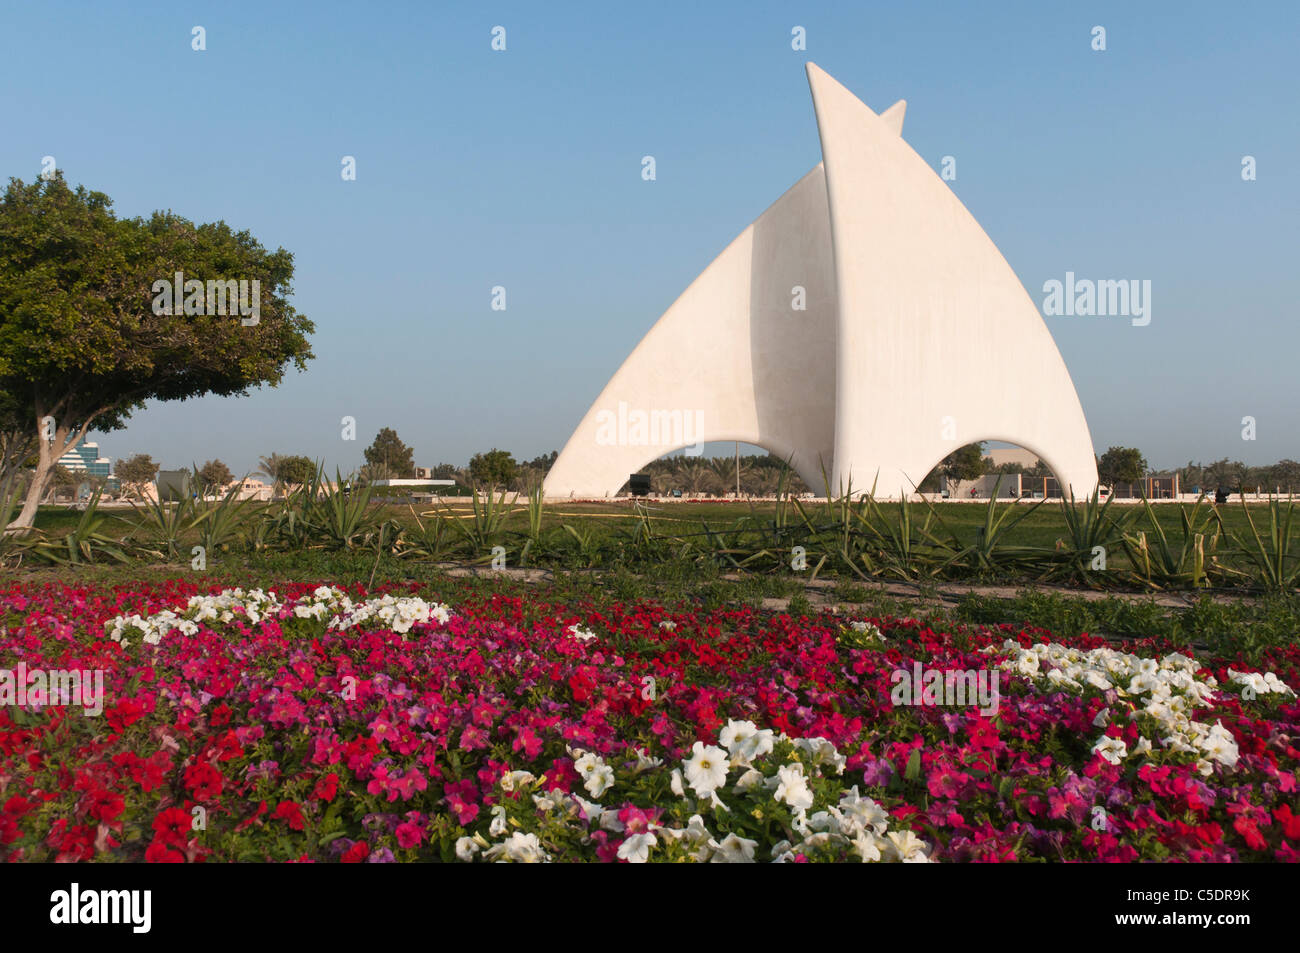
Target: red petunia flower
[(105, 806), (161, 853), (1290, 822), (327, 787), (172, 826), (203, 781), (357, 853), (291, 814)]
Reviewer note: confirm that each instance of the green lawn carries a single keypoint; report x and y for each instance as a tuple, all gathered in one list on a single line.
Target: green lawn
[(1041, 527), (1165, 546)]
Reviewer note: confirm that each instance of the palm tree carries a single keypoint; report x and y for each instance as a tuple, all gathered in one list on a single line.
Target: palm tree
[(270, 467), (725, 469), (662, 481), (764, 481), (696, 475)]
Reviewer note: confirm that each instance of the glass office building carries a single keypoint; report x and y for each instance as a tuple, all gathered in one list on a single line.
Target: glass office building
[(85, 458)]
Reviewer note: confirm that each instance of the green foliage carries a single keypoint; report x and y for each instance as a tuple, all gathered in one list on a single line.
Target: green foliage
[(165, 524), (1185, 564), (137, 471), (296, 471), (1090, 532), (85, 543), (223, 522), (213, 475), (82, 337), (965, 463), (485, 526), (389, 451), (1275, 557), (1152, 547), (1121, 465), (492, 469)]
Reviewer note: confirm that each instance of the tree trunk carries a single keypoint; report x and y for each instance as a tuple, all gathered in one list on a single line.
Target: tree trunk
[(44, 467)]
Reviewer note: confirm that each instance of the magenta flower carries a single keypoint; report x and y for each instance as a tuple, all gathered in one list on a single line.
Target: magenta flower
[(409, 835)]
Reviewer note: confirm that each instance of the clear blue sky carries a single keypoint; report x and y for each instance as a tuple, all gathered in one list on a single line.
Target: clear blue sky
[(521, 168)]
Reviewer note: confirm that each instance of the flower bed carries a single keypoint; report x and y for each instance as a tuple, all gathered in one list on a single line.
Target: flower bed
[(320, 725)]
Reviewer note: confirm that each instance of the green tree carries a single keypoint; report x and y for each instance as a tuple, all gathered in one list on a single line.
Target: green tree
[(17, 444), (544, 462), (213, 475), (370, 472), (389, 451), (964, 463), (1121, 465), (136, 473), (527, 478), (296, 471), (1284, 476), (492, 469), (85, 336), (695, 475), (61, 478)]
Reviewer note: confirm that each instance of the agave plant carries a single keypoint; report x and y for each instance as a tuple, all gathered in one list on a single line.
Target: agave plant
[(430, 540), (9, 505), (1090, 532), (222, 522), (1276, 557), (84, 543), (536, 504), (1160, 563), (903, 548), (341, 518), (166, 524), (485, 525), (989, 552)]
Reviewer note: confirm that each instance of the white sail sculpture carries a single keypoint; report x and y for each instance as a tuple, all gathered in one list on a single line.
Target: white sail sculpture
[(862, 327)]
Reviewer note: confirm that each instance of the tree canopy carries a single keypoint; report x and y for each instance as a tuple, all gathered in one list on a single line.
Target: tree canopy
[(213, 475), (296, 470), (492, 469), (965, 463), (389, 451), (135, 473), (82, 338), (1121, 465)]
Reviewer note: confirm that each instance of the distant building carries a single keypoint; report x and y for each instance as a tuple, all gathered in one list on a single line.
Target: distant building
[(412, 482), (1000, 455), (85, 458)]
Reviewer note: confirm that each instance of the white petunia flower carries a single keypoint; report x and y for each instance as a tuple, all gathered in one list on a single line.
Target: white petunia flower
[(675, 783), (745, 742), (636, 849), (867, 845), (514, 779), (906, 847), (733, 850), (519, 848), (706, 769), (599, 780), (466, 849), (793, 787), (1113, 750)]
